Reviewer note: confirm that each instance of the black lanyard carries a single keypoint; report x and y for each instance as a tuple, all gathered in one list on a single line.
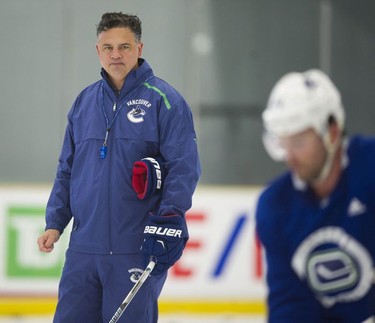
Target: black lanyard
[(103, 148)]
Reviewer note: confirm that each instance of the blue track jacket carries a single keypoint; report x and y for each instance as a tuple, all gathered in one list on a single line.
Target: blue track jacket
[(147, 118)]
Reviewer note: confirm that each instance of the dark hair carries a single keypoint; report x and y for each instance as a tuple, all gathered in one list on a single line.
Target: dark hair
[(118, 19)]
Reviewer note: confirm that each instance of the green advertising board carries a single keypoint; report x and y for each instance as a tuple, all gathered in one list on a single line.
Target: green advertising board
[(23, 259)]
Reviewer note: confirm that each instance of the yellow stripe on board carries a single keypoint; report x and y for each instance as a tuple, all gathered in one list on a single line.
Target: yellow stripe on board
[(41, 306), (210, 307), (29, 306)]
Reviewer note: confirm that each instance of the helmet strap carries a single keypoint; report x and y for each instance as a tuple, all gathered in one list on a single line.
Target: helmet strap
[(331, 148)]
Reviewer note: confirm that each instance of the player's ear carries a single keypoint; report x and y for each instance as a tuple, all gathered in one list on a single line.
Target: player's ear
[(334, 129)]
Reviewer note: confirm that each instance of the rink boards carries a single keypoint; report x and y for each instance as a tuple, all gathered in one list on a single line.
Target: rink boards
[(221, 269)]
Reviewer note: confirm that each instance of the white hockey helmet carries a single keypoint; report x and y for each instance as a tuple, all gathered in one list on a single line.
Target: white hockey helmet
[(297, 102)]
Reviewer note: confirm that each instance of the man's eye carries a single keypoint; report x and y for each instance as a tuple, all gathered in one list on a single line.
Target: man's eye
[(107, 48), (124, 47)]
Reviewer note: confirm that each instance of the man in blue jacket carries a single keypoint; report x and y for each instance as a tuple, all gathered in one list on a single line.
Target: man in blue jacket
[(317, 221), (127, 172)]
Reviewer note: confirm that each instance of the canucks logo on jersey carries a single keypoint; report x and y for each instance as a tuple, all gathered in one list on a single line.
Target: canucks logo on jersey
[(335, 265)]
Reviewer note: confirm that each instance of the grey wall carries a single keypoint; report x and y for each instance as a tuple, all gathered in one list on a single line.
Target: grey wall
[(257, 42), (223, 56)]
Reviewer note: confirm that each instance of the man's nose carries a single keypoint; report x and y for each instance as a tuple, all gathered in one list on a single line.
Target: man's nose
[(115, 54)]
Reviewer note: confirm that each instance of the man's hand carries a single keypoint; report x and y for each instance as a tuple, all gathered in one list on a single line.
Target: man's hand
[(165, 238), (47, 240)]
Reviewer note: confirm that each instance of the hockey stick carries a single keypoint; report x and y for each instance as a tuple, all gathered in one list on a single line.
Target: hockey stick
[(133, 292)]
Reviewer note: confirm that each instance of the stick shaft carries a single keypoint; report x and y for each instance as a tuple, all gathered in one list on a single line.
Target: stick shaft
[(133, 292)]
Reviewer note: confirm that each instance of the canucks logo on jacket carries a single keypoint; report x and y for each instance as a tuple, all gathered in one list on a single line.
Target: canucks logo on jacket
[(136, 115)]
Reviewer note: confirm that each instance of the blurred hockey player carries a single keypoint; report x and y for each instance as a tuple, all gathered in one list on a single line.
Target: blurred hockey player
[(127, 171), (317, 220)]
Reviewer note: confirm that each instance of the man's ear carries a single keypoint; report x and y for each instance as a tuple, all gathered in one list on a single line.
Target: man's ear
[(140, 48), (334, 131)]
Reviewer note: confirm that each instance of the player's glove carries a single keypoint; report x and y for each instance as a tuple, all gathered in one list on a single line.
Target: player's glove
[(165, 238), (148, 176)]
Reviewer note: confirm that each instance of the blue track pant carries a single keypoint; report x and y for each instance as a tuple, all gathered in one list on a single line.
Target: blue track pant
[(92, 287)]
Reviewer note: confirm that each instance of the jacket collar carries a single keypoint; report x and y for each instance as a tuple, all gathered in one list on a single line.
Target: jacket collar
[(133, 79)]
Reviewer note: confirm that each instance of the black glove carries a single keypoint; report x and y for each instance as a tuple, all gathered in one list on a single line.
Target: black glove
[(165, 238)]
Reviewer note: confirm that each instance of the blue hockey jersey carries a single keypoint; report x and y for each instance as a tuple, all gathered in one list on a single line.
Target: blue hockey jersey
[(320, 254), (106, 133)]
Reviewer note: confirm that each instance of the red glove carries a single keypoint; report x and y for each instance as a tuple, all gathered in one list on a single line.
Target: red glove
[(148, 176)]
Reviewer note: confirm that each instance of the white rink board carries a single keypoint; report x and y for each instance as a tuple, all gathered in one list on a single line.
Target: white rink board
[(221, 260), (224, 263)]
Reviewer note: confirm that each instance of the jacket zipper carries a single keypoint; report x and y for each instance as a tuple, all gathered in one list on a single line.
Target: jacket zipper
[(110, 196)]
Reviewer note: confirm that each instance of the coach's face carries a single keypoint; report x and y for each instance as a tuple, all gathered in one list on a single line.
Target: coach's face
[(118, 52)]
